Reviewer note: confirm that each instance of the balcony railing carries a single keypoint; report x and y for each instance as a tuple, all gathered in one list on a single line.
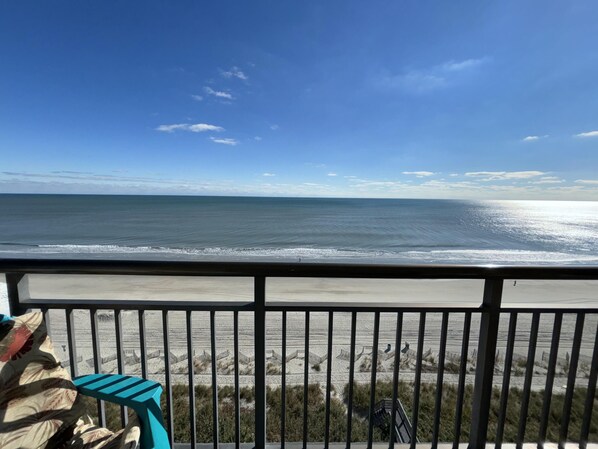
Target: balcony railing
[(478, 329)]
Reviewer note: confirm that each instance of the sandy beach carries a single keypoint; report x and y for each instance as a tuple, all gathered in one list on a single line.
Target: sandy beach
[(575, 294)]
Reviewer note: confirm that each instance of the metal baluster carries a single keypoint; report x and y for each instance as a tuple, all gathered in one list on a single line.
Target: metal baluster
[(529, 372), (97, 362), (440, 379), (591, 393), (418, 377), (191, 373), (351, 377), (373, 378), (283, 392), (260, 360), (462, 378), (168, 393), (70, 333), (142, 345), (237, 389), (215, 421), (554, 350), (120, 359), (46, 313), (328, 379), (506, 380), (305, 380), (395, 380), (566, 416)]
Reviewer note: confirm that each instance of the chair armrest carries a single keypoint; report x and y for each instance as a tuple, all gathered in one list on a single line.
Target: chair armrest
[(123, 390), (141, 395)]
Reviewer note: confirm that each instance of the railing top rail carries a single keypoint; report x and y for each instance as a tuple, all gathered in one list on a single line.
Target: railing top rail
[(172, 305), (286, 269)]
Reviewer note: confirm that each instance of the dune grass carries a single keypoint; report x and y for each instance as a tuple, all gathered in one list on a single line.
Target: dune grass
[(361, 398)]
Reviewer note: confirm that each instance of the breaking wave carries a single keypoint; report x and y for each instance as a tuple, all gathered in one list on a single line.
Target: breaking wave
[(441, 256)]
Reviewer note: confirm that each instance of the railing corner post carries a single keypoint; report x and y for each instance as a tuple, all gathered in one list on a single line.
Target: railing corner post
[(260, 361), (12, 285), (482, 392)]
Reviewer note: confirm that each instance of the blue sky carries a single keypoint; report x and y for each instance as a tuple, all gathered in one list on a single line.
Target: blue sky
[(422, 99)]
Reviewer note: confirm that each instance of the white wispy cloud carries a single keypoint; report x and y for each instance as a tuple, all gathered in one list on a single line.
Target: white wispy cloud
[(504, 175), (225, 141), (268, 174), (449, 184), (258, 138), (203, 127), (533, 138), (194, 128), (331, 174), (432, 78), (274, 127), (218, 93), (234, 72), (88, 182), (419, 174), (416, 81), (172, 128), (315, 165), (454, 174), (548, 180), (197, 97), (455, 66), (588, 134), (22, 182), (67, 175), (471, 189)]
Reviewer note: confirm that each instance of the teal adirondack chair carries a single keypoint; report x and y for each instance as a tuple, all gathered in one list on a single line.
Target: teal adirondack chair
[(142, 395)]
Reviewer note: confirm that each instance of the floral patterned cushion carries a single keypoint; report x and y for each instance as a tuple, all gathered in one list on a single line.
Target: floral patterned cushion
[(89, 436), (39, 404)]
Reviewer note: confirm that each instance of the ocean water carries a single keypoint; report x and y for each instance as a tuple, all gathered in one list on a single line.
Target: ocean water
[(299, 229)]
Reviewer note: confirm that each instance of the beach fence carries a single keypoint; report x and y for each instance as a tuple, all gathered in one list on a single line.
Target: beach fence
[(133, 357), (245, 359), (67, 362), (313, 359), (565, 360), (453, 357), (385, 355), (275, 357), (206, 357), (291, 356), (346, 355)]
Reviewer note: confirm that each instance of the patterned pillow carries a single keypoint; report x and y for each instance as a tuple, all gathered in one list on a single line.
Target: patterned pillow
[(89, 436), (39, 404)]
